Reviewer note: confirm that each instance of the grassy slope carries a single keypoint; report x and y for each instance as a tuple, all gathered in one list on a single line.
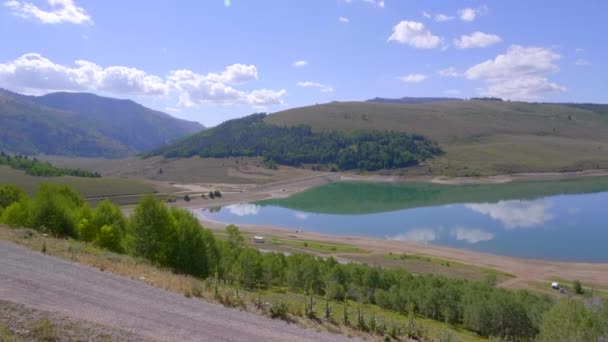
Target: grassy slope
[(479, 137), (88, 187)]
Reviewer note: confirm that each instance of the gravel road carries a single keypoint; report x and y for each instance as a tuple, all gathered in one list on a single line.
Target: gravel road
[(85, 293)]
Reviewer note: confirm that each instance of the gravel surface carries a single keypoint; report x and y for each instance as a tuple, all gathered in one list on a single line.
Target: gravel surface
[(87, 294)]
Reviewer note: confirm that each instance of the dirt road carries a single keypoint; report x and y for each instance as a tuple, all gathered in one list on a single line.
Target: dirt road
[(85, 293)]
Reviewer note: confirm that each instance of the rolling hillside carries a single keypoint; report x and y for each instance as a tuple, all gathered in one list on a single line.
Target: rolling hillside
[(79, 124), (479, 137)]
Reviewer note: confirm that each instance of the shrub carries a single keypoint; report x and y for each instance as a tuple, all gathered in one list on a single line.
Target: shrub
[(578, 287), (279, 310)]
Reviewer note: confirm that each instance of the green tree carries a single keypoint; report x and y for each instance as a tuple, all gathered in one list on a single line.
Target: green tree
[(17, 214), (54, 208), (235, 238), (108, 214), (10, 194), (191, 251), (109, 237), (150, 228), (570, 320)]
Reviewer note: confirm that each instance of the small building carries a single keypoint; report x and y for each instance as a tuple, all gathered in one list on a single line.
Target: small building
[(259, 239), (555, 285)]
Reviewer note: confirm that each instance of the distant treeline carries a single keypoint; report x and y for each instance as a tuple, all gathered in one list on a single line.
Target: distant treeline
[(174, 238), (35, 167), (251, 136)]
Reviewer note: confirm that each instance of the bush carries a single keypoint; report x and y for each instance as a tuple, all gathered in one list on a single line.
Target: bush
[(279, 310), (578, 287), (217, 193)]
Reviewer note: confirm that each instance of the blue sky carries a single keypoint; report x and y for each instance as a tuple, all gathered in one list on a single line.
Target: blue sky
[(205, 61)]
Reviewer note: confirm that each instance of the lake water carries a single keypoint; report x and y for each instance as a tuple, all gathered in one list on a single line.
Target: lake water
[(555, 220)]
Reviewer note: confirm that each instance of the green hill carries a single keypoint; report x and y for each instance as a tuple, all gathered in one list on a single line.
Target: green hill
[(479, 137), (297, 145), (79, 124)]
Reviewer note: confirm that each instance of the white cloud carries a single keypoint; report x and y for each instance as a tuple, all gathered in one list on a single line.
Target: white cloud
[(470, 14), (443, 18), (449, 72), (520, 73), (413, 78), (308, 84), (579, 50), (243, 209), (421, 235), (299, 64), (33, 73), (414, 34), (377, 3), (235, 74), (471, 235), (343, 20), (475, 40), (61, 11), (515, 214), (426, 14), (582, 61)]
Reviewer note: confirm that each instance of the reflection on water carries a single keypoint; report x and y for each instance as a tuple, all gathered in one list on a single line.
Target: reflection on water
[(516, 214), (243, 209), (471, 235), (422, 235), (560, 227)]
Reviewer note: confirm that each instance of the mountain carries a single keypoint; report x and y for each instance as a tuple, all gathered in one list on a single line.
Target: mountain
[(414, 100), (83, 124)]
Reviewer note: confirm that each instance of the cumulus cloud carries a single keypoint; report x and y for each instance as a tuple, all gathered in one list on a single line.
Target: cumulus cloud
[(581, 62), (33, 73), (471, 235), (470, 14), (243, 209), (516, 214), (426, 14), (61, 11), (343, 20), (519, 74), (413, 78), (377, 3), (420, 235), (299, 64), (414, 34), (308, 84), (449, 72), (476, 40)]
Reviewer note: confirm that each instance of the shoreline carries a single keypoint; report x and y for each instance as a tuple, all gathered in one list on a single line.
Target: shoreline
[(525, 270)]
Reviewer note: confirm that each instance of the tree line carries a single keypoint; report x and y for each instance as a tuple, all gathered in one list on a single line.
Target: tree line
[(35, 167), (251, 136), (173, 238)]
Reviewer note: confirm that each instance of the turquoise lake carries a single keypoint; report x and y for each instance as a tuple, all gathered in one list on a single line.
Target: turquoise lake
[(553, 220)]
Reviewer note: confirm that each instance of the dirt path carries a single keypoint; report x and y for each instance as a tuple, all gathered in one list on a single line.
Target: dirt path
[(87, 294)]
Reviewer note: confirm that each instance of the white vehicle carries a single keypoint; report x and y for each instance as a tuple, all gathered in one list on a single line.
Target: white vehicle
[(258, 239)]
